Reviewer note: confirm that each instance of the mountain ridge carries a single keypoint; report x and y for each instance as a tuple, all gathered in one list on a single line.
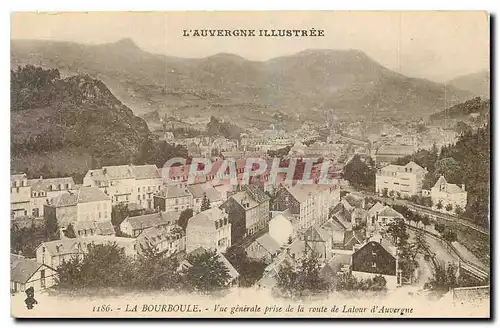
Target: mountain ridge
[(347, 83)]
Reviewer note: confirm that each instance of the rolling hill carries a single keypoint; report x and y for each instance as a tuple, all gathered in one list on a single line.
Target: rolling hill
[(305, 85), (476, 83)]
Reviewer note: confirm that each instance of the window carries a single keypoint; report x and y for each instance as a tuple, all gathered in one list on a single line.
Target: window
[(42, 278), (138, 197), (139, 189), (22, 287)]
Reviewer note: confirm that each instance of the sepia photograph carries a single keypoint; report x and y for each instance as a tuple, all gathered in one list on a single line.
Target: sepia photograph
[(259, 164)]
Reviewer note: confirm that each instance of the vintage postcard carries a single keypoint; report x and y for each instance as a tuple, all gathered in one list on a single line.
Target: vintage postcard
[(250, 164)]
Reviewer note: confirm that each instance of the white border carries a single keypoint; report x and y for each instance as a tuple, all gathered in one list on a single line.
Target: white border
[(147, 5)]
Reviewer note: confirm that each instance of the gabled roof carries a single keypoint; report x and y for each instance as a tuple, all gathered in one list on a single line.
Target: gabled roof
[(375, 209), (45, 184), (389, 212), (354, 235), (353, 201), (448, 188), (22, 269), (152, 220), (81, 195), (173, 191), (198, 190), (146, 172), (268, 243)]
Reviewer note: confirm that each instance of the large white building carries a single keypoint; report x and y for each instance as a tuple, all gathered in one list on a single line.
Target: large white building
[(86, 204), (127, 183), (448, 194), (209, 229), (402, 180)]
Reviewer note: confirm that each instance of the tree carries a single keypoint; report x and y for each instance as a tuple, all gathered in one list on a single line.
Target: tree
[(397, 229), (206, 272), (184, 218), (391, 193), (439, 205), (155, 270), (444, 277), (290, 240), (250, 270), (101, 266), (421, 245), (448, 207), (305, 279), (360, 173), (205, 203), (459, 210), (450, 169), (51, 228), (425, 220), (449, 235), (439, 227), (385, 192)]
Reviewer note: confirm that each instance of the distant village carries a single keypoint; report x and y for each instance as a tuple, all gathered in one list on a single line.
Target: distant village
[(348, 229)]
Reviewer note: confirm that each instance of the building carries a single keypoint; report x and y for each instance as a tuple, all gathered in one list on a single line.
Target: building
[(248, 211), (87, 204), (387, 215), (448, 194), (198, 191), (210, 229), (400, 180), (320, 241), (90, 228), (350, 212), (20, 196), (283, 227), (170, 239), (26, 273), (376, 258), (270, 276), (54, 253), (134, 225), (263, 248), (173, 198), (126, 183), (46, 189), (310, 202)]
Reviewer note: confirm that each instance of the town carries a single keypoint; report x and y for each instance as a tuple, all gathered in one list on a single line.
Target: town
[(380, 222)]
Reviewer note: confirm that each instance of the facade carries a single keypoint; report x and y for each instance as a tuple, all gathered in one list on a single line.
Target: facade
[(46, 189), (248, 211), (134, 225), (320, 240), (402, 180), (210, 229), (374, 258), (126, 183), (53, 253), (20, 196), (86, 204), (448, 194), (173, 198), (26, 273)]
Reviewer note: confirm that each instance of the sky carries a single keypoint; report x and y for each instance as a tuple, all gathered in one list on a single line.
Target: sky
[(436, 45)]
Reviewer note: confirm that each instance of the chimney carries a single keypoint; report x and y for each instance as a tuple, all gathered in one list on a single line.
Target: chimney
[(463, 187), (41, 177)]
